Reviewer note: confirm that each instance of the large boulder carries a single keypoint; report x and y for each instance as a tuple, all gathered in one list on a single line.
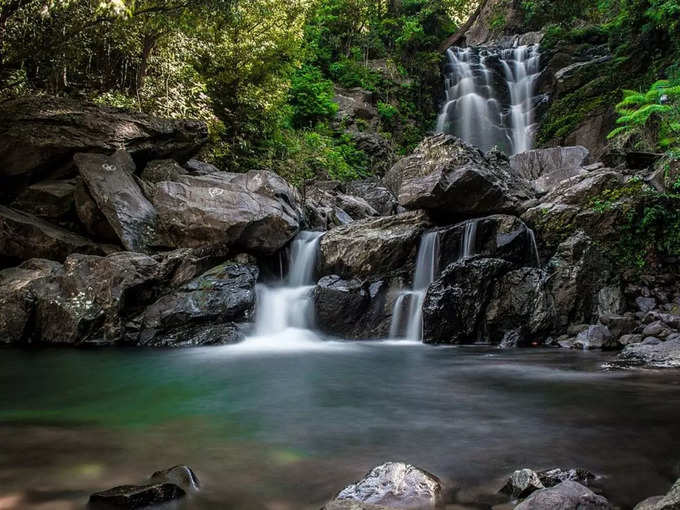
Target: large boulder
[(257, 211), (395, 485), (565, 496), (24, 236), (447, 175), (522, 483), (651, 355), (111, 184), (375, 193), (372, 247), (17, 297), (41, 133), (202, 311), (339, 304)]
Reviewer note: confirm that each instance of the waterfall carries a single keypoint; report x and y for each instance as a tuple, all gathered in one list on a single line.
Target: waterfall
[(490, 93), (468, 246), (427, 268), (284, 314), (534, 247)]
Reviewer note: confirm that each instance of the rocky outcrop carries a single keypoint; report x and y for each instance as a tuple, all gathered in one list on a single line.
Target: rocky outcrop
[(375, 193), (41, 133), (565, 496), (327, 206), (395, 485), (110, 182), (546, 168), (372, 247), (23, 236), (203, 311), (446, 175), (257, 212)]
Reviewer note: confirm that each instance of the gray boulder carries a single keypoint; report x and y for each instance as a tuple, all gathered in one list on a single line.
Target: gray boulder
[(256, 212), (651, 354), (522, 483), (567, 495), (595, 337), (395, 485), (111, 184), (375, 193), (447, 175), (162, 170), (372, 247), (538, 163), (24, 236)]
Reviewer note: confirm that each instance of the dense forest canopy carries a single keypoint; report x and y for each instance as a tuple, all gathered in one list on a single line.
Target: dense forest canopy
[(263, 73)]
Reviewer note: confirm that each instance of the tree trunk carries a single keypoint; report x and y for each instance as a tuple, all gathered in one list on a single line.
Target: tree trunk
[(150, 40), (460, 34)]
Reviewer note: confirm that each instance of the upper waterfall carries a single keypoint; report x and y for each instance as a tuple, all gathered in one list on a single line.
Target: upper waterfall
[(490, 95)]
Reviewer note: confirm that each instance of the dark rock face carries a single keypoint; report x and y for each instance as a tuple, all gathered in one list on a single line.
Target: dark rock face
[(372, 247), (447, 175), (23, 236), (41, 133), (119, 198), (201, 312), (92, 219), (257, 211), (326, 206), (51, 200), (137, 496), (565, 496), (395, 485), (339, 304)]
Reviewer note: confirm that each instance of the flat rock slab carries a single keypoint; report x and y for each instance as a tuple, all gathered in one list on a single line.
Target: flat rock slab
[(136, 496)]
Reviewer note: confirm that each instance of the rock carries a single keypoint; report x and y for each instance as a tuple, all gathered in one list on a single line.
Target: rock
[(117, 195), (340, 305), (162, 170), (40, 133), (256, 212), (52, 200), (196, 167), (17, 298), (454, 307), (354, 103), (90, 300), (522, 483), (595, 337), (91, 217), (651, 354), (375, 193), (565, 496), (182, 476), (548, 167), (352, 505), (137, 496), (618, 324), (327, 207), (651, 340), (23, 236), (447, 175), (657, 329), (645, 304), (201, 312), (372, 247), (555, 476), (671, 501), (396, 485), (630, 339), (377, 148)]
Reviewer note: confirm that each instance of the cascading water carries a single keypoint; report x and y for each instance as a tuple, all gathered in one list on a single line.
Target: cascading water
[(285, 314), (410, 326), (467, 247), (490, 94)]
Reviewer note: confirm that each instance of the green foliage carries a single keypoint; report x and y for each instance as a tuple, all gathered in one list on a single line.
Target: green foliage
[(311, 96)]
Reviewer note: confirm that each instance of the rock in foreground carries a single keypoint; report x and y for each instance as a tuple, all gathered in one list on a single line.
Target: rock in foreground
[(565, 496), (136, 496), (395, 485)]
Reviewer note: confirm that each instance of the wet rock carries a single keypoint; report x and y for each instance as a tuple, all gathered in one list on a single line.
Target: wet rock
[(23, 236), (522, 483), (137, 496), (618, 324), (182, 476), (645, 304), (512, 339), (630, 339), (565, 496), (340, 305), (658, 329), (256, 212), (651, 354), (375, 193), (41, 133), (395, 485), (536, 163), (17, 297), (552, 477), (201, 312), (595, 337), (447, 175), (162, 170), (327, 207), (671, 501), (111, 184), (91, 217), (51, 200), (372, 247)]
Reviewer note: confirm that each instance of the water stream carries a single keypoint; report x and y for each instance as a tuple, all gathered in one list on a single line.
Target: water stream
[(490, 94)]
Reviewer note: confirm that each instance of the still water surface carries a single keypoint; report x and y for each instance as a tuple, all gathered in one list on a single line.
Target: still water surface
[(284, 430)]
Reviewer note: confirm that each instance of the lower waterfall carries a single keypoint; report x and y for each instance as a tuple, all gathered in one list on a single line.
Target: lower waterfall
[(407, 314)]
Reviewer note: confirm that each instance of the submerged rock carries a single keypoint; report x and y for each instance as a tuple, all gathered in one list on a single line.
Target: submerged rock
[(257, 211), (137, 496), (395, 485), (447, 175), (567, 495)]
